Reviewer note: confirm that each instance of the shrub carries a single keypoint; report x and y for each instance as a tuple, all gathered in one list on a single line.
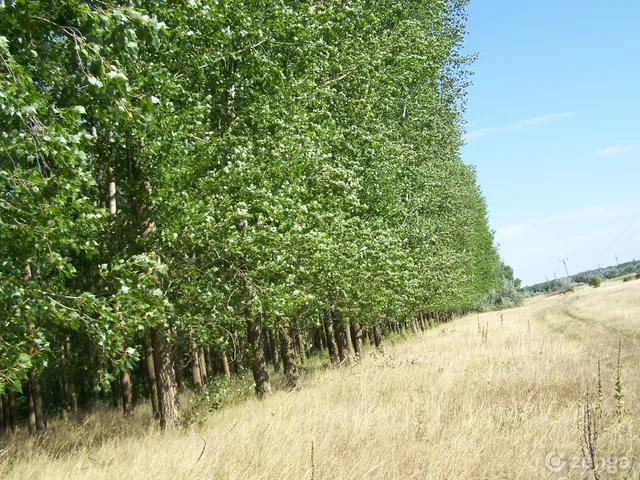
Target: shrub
[(566, 285), (508, 295), (595, 281)]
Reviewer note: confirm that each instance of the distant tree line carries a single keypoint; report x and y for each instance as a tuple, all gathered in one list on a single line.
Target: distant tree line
[(605, 273)]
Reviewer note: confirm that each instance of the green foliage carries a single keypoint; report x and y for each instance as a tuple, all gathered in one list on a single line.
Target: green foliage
[(505, 271), (272, 158), (508, 293), (595, 281), (566, 285)]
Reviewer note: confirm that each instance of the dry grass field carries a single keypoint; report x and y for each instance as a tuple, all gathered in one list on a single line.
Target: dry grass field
[(453, 403)]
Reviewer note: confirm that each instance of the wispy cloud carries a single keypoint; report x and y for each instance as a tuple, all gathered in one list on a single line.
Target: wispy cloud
[(485, 132), (520, 229), (617, 150)]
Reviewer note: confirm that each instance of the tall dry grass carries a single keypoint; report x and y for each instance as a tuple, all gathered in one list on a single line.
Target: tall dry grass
[(448, 404)]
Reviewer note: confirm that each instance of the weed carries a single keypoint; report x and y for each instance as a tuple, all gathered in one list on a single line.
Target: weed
[(618, 393), (589, 434)]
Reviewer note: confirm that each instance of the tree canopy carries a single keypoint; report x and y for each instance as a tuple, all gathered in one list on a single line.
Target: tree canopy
[(198, 173)]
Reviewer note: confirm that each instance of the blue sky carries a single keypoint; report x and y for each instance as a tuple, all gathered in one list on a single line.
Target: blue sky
[(554, 130)]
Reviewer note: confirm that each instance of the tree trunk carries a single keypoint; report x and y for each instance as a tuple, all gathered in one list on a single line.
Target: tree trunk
[(93, 381), (258, 363), (238, 352), (4, 404), (65, 381), (414, 326), (216, 362), (116, 391), (207, 357), (225, 363), (178, 367), (83, 375), (7, 413), (165, 381), (266, 346), (31, 412), (377, 337), (302, 349), (322, 331), (273, 342), (288, 357), (351, 331), (85, 390), (13, 411), (58, 394), (196, 371), (145, 375), (151, 372), (298, 338), (112, 193), (127, 392), (203, 366), (35, 396), (350, 347), (73, 399), (342, 340), (316, 339), (168, 403), (331, 339), (3, 422), (421, 321), (34, 384), (358, 335)]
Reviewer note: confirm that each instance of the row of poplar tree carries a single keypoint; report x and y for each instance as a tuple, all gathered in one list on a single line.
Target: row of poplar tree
[(188, 185)]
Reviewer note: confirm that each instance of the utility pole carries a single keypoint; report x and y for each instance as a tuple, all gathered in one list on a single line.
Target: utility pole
[(617, 262), (564, 262)]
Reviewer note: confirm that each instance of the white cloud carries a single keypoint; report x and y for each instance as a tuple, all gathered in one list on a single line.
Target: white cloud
[(617, 150), (484, 132)]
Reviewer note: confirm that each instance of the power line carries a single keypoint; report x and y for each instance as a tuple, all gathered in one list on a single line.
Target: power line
[(624, 232), (564, 262)]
